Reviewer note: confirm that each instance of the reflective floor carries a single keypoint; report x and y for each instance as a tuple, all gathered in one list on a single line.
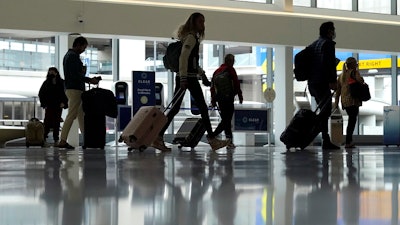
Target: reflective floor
[(251, 185)]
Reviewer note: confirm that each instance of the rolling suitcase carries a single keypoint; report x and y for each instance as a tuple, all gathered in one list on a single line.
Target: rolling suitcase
[(97, 103), (143, 128), (34, 130), (190, 133), (304, 126), (145, 125)]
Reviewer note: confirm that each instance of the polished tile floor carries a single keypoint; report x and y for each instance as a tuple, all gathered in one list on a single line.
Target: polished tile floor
[(251, 185)]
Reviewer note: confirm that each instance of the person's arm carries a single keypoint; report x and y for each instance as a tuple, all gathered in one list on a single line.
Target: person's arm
[(338, 91), (187, 47), (42, 95), (236, 84)]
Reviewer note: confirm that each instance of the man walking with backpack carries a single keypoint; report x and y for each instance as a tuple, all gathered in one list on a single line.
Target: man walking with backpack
[(225, 86), (323, 77)]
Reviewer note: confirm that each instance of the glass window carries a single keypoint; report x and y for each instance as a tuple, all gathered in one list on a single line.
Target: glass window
[(306, 3), (19, 54), (98, 56), (374, 6), (259, 1), (398, 7), (4, 45), (29, 47), (335, 4)]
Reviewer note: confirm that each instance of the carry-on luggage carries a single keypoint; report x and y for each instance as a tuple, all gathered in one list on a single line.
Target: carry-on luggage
[(34, 130), (305, 126), (97, 103), (145, 125), (190, 133), (143, 128)]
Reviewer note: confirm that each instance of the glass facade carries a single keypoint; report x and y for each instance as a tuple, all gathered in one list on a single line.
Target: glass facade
[(26, 55), (334, 4)]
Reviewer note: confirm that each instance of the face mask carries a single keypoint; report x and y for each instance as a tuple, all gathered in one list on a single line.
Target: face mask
[(334, 35)]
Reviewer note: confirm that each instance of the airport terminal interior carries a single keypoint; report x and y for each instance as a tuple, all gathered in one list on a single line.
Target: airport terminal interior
[(258, 182)]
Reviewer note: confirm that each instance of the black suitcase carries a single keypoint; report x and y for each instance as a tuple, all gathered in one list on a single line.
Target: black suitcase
[(305, 126), (94, 135), (190, 133), (97, 103)]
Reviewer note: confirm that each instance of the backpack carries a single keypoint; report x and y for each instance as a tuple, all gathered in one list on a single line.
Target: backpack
[(171, 57), (303, 64), (223, 84)]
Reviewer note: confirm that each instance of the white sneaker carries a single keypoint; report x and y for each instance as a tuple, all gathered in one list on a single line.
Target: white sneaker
[(160, 145), (216, 143)]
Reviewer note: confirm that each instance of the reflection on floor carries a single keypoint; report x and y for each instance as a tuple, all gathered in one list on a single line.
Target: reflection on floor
[(252, 185)]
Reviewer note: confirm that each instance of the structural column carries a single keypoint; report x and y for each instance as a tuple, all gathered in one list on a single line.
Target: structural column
[(283, 107)]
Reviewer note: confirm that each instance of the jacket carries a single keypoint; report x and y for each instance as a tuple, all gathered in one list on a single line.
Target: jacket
[(324, 62), (73, 71), (53, 94), (232, 73), (343, 89)]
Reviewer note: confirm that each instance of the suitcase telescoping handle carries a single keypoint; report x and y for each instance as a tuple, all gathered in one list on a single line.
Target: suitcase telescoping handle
[(34, 105), (327, 100), (179, 94)]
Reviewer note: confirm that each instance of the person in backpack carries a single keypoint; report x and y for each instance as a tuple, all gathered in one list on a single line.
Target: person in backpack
[(190, 33), (53, 99), (75, 79), (323, 77), (349, 103), (225, 86)]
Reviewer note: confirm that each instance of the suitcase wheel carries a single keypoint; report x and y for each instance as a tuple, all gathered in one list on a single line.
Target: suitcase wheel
[(130, 149), (142, 148)]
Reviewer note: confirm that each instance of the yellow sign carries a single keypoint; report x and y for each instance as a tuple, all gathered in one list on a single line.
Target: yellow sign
[(367, 64)]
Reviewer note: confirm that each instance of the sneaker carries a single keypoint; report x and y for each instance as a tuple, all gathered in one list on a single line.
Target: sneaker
[(230, 145), (160, 145), (45, 144), (56, 143), (64, 144), (327, 145), (350, 145), (216, 143)]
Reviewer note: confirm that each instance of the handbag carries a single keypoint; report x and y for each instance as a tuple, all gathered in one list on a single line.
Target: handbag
[(358, 90)]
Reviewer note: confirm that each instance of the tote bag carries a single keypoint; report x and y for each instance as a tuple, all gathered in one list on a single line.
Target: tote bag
[(357, 89)]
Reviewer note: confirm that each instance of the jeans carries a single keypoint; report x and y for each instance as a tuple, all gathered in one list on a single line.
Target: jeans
[(352, 111), (226, 108), (197, 94)]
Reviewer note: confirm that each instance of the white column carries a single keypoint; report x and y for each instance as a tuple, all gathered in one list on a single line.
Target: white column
[(285, 5), (283, 104)]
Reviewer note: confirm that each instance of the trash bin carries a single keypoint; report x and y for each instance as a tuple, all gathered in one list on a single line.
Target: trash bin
[(336, 127)]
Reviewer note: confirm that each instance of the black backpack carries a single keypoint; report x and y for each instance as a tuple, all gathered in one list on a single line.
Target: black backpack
[(303, 64), (223, 84), (171, 57)]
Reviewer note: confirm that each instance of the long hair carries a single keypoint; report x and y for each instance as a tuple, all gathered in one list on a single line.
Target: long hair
[(190, 26), (351, 61)]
